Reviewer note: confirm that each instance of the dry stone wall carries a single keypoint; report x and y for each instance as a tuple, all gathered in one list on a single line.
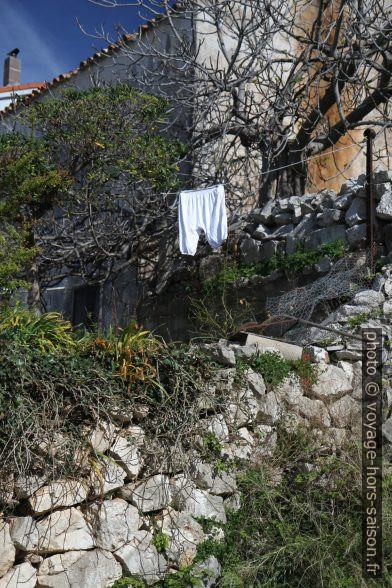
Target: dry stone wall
[(315, 219), (91, 532)]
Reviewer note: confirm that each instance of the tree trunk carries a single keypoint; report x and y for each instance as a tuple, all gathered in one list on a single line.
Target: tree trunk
[(287, 176)]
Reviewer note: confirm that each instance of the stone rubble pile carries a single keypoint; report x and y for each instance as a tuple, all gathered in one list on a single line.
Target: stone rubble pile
[(316, 219)]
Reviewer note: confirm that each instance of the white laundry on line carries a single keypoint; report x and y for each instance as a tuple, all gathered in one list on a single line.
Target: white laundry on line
[(202, 211)]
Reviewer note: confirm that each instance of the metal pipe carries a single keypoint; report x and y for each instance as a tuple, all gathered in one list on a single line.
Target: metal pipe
[(370, 134)]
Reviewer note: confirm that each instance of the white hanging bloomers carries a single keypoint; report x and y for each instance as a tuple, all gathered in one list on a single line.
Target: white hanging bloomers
[(202, 211)]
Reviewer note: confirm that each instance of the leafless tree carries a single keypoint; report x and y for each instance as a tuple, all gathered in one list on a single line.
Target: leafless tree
[(274, 95)]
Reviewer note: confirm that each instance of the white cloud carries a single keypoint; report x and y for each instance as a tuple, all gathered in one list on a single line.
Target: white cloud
[(18, 29)]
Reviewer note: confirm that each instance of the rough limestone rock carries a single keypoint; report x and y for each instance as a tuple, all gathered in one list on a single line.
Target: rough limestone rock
[(102, 437), (323, 236), (305, 226), (220, 352), (184, 533), (381, 189), (317, 354), (244, 351), (357, 212), (387, 430), (261, 233), (113, 523), (388, 287), (24, 533), (241, 411), (74, 569), (233, 502), (58, 494), (241, 448), (347, 354), (356, 234), (345, 312), (384, 208), (368, 298), (216, 425), (324, 265), (283, 218), (269, 409), (152, 494), (7, 549), (25, 486), (250, 406), (282, 232), (22, 576), (382, 175), (206, 478), (202, 504), (111, 477), (197, 503), (343, 202), (64, 530), (344, 412), (251, 252), (127, 455), (332, 382), (387, 307), (352, 185), (135, 434), (314, 411), (255, 383), (289, 391), (139, 557), (329, 217), (208, 571)]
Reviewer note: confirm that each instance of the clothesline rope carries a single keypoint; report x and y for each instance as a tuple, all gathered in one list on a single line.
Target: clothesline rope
[(261, 173)]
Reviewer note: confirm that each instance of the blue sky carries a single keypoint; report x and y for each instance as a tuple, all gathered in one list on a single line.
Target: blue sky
[(47, 34)]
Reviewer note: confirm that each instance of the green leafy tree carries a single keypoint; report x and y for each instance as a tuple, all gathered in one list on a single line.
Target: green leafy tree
[(85, 180)]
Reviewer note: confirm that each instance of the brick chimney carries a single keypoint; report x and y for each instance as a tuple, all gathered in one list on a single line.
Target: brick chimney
[(12, 69)]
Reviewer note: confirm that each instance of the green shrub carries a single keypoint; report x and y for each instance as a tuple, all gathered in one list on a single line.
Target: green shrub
[(48, 332), (306, 372), (271, 366), (356, 321), (128, 582), (161, 541), (304, 530)]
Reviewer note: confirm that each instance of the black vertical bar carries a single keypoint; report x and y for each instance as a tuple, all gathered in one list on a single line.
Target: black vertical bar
[(370, 134)]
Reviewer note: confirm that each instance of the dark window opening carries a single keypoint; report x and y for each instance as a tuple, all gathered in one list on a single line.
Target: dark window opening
[(85, 306)]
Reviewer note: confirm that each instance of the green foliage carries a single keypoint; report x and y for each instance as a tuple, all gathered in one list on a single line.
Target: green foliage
[(212, 444), (274, 369), (48, 332), (129, 352), (128, 582), (296, 262), (356, 321), (108, 132), (302, 531), (161, 541), (271, 366), (14, 258), (290, 263), (184, 578), (55, 384), (325, 342), (29, 178), (81, 143), (306, 371)]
